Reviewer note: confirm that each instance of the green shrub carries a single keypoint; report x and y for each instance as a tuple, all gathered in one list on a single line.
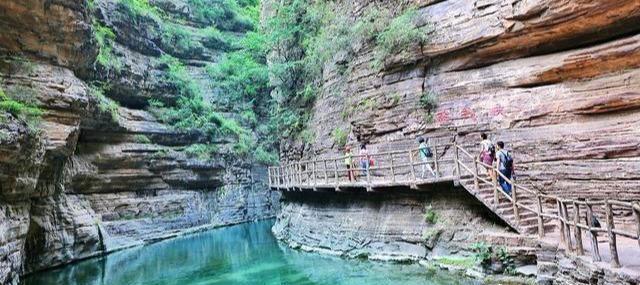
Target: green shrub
[(339, 137), (105, 38), (265, 157), (201, 151), (178, 39), (138, 9), (226, 14), (24, 110), (141, 139), (401, 32), (485, 254), (105, 104), (213, 38), (429, 101), (430, 215)]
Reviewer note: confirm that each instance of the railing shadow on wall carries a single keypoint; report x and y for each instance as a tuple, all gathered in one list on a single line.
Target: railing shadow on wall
[(573, 217)]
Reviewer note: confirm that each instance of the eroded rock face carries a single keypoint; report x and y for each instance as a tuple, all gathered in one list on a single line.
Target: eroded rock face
[(88, 179), (557, 81), (385, 226)]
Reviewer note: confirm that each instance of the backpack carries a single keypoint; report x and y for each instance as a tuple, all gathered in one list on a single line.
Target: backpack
[(507, 161), (426, 151)]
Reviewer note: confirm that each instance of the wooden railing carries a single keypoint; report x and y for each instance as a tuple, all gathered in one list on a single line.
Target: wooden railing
[(573, 216), (391, 168), (400, 168)]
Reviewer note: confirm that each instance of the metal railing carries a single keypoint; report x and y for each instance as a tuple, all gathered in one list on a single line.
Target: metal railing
[(401, 167)]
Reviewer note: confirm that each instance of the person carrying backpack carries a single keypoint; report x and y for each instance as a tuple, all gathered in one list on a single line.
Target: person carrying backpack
[(505, 166), (425, 156), (487, 155)]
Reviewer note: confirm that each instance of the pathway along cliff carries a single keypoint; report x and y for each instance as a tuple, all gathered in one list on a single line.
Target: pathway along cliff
[(126, 122)]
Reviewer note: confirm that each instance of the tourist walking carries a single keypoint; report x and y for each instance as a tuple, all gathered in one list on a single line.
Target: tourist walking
[(425, 156), (487, 155), (364, 160), (348, 161), (505, 166)]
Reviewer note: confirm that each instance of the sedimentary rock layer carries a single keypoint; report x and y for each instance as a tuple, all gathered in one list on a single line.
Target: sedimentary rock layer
[(389, 226)]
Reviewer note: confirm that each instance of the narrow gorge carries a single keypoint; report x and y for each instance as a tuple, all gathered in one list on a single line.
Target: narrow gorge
[(128, 122)]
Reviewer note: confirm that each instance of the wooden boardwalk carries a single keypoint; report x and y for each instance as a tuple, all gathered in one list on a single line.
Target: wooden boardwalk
[(527, 211)]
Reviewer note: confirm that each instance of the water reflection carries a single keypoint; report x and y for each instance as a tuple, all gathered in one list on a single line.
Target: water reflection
[(243, 254)]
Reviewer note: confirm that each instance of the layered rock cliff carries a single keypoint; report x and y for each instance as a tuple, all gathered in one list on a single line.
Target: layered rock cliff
[(557, 81), (97, 171)]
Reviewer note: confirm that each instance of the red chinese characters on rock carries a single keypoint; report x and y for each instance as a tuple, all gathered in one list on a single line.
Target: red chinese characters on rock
[(467, 113), (443, 117), (496, 110)]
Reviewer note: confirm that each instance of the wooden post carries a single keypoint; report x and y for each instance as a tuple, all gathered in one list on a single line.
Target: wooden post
[(315, 180), (567, 227), (368, 172), (269, 170), (436, 167), (326, 175), (595, 250), (476, 175), (540, 218), (636, 214), (562, 236), (413, 170), (514, 200), (496, 198), (577, 232), (393, 170), (335, 172), (615, 261), (457, 159)]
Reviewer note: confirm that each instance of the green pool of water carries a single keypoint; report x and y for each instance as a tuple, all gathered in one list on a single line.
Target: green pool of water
[(243, 254)]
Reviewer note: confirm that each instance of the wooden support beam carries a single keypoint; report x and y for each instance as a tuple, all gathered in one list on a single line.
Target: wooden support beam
[(567, 226), (541, 232), (413, 170), (393, 170), (577, 232), (456, 154), (636, 214), (562, 225), (514, 200), (496, 198), (335, 174), (476, 175), (435, 161), (595, 250), (615, 261), (326, 175)]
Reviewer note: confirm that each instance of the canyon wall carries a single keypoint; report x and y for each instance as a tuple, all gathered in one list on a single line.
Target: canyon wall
[(83, 180), (557, 81), (392, 226)]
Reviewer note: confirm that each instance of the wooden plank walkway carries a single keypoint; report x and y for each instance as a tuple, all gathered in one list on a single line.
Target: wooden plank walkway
[(525, 210)]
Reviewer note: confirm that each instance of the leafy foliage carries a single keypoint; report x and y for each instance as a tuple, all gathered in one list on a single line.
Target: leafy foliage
[(339, 137), (201, 151), (138, 9), (24, 110), (105, 104), (429, 101), (485, 254), (430, 215), (229, 15), (400, 33), (105, 38), (179, 39)]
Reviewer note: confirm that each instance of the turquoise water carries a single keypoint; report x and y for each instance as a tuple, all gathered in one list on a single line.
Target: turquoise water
[(244, 254)]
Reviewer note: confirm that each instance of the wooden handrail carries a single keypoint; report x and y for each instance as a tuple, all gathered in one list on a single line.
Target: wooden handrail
[(573, 215)]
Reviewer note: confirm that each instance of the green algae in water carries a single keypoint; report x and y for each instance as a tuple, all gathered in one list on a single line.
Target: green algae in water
[(244, 254)]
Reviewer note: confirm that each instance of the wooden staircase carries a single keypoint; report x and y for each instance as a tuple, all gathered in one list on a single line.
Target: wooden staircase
[(519, 211), (526, 211)]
